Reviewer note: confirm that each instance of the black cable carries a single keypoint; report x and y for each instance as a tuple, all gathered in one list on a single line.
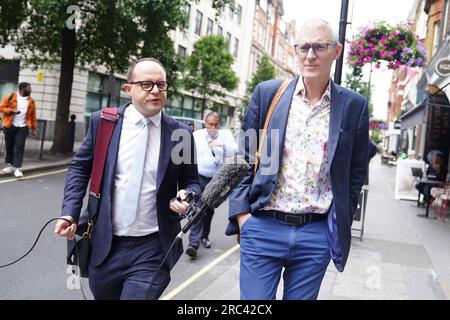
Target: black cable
[(195, 214), (35, 242), (163, 261)]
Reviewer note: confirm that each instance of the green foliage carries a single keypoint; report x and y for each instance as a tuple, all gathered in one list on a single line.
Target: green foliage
[(12, 13), (356, 83), (375, 137), (265, 71), (209, 68), (111, 33), (108, 33)]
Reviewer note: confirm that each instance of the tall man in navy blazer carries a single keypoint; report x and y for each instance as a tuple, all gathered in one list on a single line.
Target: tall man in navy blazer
[(125, 256), (296, 212)]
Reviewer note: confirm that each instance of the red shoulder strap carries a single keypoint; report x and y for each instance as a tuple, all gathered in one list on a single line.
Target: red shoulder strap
[(109, 116)]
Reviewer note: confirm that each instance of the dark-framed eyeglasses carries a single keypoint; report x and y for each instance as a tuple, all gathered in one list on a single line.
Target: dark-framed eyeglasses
[(149, 85), (319, 49)]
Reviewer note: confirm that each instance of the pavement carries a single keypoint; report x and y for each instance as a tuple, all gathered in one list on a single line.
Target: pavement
[(401, 256), (32, 162)]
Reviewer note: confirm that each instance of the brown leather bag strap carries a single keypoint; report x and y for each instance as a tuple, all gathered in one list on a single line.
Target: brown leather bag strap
[(272, 107)]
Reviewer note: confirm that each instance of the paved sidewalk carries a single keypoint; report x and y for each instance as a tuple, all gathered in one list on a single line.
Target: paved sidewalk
[(32, 163), (401, 256)]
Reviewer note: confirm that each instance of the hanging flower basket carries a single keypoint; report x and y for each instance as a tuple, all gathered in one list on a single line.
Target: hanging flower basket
[(397, 45)]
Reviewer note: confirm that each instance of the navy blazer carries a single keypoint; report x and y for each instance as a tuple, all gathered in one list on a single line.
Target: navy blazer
[(169, 177), (347, 158)]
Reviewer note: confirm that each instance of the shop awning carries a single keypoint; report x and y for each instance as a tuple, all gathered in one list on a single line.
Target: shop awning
[(413, 117)]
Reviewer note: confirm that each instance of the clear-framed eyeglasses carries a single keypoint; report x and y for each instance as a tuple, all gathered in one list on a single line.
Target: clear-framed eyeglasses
[(149, 85), (320, 49)]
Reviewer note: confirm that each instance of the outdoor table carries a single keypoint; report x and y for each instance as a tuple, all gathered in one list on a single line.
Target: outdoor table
[(430, 182)]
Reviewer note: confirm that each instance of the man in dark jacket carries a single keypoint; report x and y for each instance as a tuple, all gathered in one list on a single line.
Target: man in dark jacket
[(135, 227), (296, 211)]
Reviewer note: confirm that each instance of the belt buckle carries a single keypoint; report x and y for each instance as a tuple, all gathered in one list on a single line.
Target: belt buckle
[(304, 219), (293, 220), (287, 220)]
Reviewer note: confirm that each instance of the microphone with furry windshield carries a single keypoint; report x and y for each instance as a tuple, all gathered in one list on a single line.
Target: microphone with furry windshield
[(216, 191)]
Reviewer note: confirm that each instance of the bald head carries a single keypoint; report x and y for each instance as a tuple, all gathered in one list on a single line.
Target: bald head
[(145, 61)]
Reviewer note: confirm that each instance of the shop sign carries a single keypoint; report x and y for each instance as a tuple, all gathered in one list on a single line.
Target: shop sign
[(443, 67)]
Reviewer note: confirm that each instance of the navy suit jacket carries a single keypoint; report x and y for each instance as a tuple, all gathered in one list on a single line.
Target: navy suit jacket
[(347, 158), (169, 177)]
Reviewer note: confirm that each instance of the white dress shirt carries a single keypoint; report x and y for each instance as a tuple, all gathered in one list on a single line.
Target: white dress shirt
[(22, 106), (146, 216), (209, 161)]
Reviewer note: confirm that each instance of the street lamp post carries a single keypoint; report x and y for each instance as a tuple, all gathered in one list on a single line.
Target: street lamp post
[(342, 30)]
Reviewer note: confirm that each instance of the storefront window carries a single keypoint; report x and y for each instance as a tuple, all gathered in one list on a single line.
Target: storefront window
[(7, 88), (188, 103), (188, 113), (188, 106), (9, 77), (103, 91), (198, 104)]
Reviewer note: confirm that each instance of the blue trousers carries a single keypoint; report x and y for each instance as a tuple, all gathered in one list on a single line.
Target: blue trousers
[(128, 270), (268, 246)]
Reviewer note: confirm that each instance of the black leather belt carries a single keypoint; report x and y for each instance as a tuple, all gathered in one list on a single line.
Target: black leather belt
[(294, 219)]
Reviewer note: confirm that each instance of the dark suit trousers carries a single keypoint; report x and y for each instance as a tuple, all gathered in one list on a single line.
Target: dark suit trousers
[(201, 230), (15, 138), (128, 270)]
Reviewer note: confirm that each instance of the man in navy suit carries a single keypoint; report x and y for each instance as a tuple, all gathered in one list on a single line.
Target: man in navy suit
[(296, 212), (126, 251)]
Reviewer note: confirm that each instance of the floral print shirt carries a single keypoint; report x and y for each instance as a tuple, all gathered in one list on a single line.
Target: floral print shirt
[(303, 184)]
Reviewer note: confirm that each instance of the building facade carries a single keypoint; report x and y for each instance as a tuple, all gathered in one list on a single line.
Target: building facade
[(236, 28), (256, 27), (274, 37), (424, 108)]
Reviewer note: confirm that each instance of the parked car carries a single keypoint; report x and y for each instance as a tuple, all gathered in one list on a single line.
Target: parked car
[(198, 124)]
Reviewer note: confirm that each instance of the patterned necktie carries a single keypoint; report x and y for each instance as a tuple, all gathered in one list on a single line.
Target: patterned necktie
[(130, 201)]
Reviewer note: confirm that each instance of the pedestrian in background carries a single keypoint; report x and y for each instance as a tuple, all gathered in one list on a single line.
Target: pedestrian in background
[(372, 151), (135, 227), (436, 171), (213, 146), (299, 215), (19, 116)]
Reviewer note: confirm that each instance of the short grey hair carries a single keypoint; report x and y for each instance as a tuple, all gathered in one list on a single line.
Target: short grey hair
[(212, 114), (319, 24)]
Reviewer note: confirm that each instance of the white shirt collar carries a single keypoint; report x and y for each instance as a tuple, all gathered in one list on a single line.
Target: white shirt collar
[(20, 97), (136, 117), (301, 89)]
